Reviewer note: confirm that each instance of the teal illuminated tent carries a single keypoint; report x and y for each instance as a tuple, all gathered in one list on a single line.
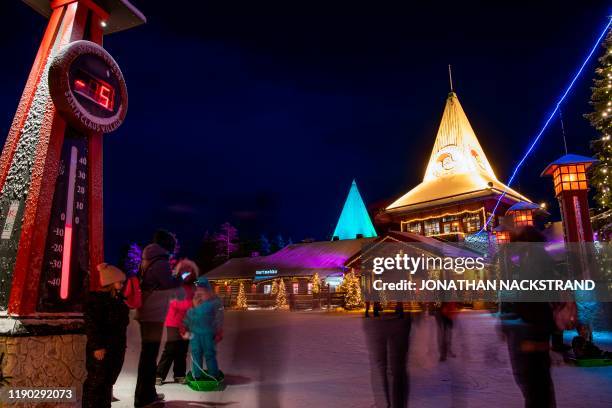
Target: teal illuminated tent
[(354, 221)]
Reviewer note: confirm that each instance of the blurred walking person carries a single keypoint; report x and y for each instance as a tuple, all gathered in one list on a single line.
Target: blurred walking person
[(387, 338), (445, 317), (528, 326)]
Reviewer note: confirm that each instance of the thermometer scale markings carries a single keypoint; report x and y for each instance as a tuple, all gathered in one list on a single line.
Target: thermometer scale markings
[(65, 282)]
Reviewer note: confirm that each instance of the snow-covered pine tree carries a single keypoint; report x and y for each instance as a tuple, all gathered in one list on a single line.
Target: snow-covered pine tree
[(132, 260), (264, 245), (226, 241)]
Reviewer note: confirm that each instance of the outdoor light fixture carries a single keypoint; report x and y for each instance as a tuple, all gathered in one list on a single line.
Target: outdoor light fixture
[(502, 237), (571, 189), (522, 213)]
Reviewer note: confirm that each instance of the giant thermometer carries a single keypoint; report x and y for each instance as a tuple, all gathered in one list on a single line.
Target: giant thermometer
[(51, 231)]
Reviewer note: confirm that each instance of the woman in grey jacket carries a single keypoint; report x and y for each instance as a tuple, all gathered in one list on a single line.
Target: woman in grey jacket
[(158, 287)]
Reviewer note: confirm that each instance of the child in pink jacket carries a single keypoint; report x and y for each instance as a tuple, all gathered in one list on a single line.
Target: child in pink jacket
[(176, 347)]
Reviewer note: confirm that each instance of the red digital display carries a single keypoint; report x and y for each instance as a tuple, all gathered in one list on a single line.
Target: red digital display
[(95, 90)]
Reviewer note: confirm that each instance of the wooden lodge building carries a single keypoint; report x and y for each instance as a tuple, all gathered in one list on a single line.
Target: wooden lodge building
[(297, 264), (457, 195)]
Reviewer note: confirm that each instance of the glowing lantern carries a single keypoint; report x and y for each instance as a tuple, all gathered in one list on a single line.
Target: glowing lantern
[(502, 237), (570, 183), (522, 213)]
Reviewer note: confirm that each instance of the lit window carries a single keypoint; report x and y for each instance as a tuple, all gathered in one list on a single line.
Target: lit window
[(310, 288), (472, 223), (295, 288), (267, 289), (415, 227), (432, 227)]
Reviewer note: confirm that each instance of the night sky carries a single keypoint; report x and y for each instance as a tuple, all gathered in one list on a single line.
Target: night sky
[(262, 115)]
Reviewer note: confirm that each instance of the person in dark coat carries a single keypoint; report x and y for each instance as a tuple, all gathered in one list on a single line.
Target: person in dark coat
[(158, 288), (106, 321), (528, 326)]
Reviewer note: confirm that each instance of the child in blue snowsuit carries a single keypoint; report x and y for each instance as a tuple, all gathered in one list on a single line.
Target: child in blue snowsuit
[(205, 323)]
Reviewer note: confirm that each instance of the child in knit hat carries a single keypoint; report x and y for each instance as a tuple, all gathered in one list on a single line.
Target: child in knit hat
[(205, 323), (106, 320)]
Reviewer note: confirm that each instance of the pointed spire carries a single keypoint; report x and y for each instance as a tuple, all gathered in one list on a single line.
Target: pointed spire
[(456, 149), (457, 165), (354, 219)]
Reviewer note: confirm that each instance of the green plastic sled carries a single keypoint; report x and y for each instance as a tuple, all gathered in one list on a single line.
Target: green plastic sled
[(208, 384), (593, 362)]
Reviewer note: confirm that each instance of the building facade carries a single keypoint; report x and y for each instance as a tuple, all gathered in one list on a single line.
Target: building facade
[(459, 191)]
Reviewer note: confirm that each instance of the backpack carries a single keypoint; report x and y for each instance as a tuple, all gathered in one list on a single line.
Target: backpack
[(133, 293)]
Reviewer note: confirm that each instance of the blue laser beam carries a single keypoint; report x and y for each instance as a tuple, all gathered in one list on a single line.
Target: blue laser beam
[(550, 117)]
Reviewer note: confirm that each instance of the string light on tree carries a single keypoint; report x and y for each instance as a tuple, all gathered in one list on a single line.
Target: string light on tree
[(241, 301), (600, 120), (352, 291), (281, 296), (316, 283)]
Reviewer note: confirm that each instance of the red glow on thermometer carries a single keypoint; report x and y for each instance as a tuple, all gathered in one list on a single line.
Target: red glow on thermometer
[(65, 282)]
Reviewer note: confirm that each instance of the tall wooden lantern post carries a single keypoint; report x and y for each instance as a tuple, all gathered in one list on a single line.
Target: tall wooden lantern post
[(51, 236), (571, 189)]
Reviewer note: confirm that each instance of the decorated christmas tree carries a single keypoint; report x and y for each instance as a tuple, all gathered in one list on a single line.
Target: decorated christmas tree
[(316, 283), (281, 296), (352, 291), (601, 120), (274, 290), (241, 301)]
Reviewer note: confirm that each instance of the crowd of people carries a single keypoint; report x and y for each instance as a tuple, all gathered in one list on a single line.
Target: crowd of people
[(182, 303), (177, 299), (530, 329)]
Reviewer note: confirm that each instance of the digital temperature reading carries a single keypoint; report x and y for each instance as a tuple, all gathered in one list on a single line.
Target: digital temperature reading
[(94, 89), (87, 87), (66, 258)]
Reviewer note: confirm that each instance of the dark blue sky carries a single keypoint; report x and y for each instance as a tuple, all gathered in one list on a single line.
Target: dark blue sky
[(263, 114)]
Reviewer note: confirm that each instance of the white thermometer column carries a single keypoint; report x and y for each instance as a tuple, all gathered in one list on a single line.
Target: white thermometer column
[(65, 282)]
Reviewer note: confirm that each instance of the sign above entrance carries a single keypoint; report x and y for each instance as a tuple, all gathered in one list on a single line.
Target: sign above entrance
[(265, 273)]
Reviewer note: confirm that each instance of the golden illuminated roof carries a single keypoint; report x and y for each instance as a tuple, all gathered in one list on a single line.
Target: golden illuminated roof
[(458, 168)]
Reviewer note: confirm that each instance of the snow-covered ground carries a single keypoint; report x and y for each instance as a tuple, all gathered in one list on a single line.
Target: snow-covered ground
[(315, 359)]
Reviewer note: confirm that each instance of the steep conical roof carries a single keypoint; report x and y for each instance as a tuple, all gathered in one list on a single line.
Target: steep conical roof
[(354, 218), (457, 165)]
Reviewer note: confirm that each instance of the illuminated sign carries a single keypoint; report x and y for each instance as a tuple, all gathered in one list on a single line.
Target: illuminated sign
[(265, 273)]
